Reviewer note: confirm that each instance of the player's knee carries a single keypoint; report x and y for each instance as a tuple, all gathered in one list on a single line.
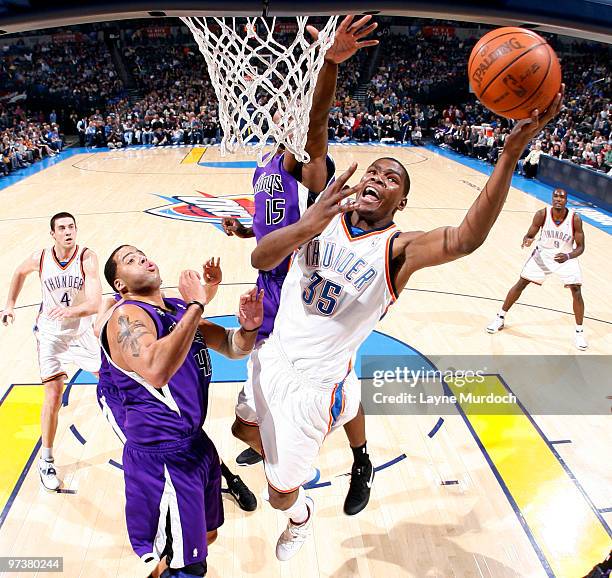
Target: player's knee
[(575, 289), (211, 536), (280, 501), (240, 431), (53, 394), (237, 430)]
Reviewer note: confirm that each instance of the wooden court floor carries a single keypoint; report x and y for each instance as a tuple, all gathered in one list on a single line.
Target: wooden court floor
[(455, 496)]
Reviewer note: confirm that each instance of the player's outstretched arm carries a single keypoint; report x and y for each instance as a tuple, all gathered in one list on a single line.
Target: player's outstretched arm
[(237, 343), (449, 243), (536, 225), (350, 37), (275, 246), (578, 239), (31, 264), (133, 341)]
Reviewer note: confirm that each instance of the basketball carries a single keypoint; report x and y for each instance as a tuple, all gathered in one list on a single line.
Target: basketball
[(513, 71)]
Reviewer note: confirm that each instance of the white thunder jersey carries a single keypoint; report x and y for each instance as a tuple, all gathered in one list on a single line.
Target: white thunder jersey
[(557, 238), (337, 288), (62, 286)]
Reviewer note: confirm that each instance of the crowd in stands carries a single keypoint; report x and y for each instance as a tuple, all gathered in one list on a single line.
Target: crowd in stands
[(24, 140), (177, 105)]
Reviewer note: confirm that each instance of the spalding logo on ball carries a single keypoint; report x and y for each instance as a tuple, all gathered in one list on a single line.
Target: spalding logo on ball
[(513, 71)]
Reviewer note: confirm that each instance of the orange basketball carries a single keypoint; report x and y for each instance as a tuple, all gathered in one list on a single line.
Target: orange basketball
[(513, 71)]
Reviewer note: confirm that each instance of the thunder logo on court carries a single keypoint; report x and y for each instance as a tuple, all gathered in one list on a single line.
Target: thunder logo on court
[(206, 208)]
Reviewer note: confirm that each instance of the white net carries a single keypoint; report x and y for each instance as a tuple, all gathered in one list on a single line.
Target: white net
[(255, 76)]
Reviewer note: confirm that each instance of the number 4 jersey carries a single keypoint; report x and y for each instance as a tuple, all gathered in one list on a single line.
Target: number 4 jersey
[(62, 286), (337, 288)]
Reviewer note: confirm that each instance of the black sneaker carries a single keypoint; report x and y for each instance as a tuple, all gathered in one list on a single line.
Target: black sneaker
[(245, 498), (362, 476), (248, 457)]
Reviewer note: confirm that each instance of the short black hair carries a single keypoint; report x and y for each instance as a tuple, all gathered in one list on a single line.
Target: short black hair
[(404, 172), (62, 215), (110, 268)]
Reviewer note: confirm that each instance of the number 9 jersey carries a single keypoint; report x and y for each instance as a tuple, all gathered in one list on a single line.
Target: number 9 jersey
[(337, 288)]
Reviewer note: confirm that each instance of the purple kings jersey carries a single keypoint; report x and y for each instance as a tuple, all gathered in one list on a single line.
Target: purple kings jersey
[(280, 200), (178, 409)]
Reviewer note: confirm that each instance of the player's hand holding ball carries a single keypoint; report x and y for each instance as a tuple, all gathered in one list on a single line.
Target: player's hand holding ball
[(190, 287)]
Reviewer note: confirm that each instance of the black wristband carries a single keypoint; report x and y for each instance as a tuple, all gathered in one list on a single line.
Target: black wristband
[(198, 303), (251, 330)]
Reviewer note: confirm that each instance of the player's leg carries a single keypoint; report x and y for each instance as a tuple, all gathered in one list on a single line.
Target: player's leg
[(578, 306), (571, 275), (293, 419), (362, 470), (50, 352), (515, 292), (52, 402), (245, 427)]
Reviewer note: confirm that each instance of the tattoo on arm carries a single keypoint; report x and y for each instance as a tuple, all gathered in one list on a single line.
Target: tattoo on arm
[(129, 334)]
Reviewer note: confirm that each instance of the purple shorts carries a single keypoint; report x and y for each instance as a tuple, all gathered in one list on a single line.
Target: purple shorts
[(173, 498), (112, 408)]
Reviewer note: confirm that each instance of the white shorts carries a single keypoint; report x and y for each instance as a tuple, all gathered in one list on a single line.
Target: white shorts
[(542, 263), (245, 406), (56, 352), (295, 415)]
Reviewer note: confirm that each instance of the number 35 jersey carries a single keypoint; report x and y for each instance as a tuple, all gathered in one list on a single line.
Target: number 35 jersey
[(62, 286), (337, 288)]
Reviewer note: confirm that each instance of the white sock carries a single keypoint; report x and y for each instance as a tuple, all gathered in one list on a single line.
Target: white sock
[(298, 512), (501, 313), (579, 328), (47, 454)]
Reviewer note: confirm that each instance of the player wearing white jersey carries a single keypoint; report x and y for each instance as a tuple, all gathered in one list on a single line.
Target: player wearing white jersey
[(71, 293), (560, 244), (349, 264)]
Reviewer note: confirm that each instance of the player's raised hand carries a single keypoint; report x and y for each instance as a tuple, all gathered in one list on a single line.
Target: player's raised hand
[(349, 38), (232, 226), (190, 287), (526, 129), (212, 272), (329, 204), (8, 316), (250, 309)]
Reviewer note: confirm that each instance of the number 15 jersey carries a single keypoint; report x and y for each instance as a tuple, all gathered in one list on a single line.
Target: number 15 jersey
[(62, 286), (338, 287)]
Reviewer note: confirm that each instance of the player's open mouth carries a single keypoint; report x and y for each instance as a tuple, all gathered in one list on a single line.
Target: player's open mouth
[(370, 195)]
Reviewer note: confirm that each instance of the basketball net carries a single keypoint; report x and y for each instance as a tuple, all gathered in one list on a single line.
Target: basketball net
[(255, 76)]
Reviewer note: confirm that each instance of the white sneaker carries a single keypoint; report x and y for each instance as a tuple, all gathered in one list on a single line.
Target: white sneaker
[(48, 475), (294, 536), (581, 341), (496, 325)]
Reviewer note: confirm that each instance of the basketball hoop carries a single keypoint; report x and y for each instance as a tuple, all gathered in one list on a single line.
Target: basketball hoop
[(255, 76)]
